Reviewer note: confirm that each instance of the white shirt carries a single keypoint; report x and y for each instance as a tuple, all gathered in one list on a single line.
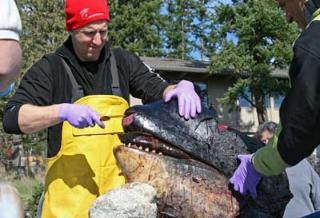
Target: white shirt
[(10, 22)]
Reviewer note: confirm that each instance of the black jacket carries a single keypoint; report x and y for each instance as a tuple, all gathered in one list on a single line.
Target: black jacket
[(47, 83), (300, 110)]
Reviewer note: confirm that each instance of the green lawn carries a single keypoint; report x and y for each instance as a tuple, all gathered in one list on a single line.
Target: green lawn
[(26, 187)]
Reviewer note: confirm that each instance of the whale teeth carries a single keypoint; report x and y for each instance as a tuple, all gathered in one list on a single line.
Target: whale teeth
[(153, 151), (129, 145), (160, 153), (146, 149), (140, 147)]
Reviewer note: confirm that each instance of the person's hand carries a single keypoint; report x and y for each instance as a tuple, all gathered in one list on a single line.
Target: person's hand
[(79, 116), (188, 100), (245, 179)]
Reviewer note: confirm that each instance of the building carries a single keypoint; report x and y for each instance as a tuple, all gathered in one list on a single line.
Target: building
[(213, 87)]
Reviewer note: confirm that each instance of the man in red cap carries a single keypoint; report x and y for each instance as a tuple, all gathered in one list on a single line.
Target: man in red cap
[(85, 84)]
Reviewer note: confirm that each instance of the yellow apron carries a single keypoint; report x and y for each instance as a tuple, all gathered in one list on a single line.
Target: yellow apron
[(85, 166)]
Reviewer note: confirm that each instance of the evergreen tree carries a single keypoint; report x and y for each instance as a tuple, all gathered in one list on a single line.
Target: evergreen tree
[(43, 28), (178, 27), (200, 28), (260, 41), (186, 29), (136, 26)]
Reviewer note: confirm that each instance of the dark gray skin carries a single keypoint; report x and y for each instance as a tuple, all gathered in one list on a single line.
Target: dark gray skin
[(200, 139)]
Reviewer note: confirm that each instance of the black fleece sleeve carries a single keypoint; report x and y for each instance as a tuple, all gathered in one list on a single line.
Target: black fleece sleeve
[(300, 110), (144, 83), (35, 88), (10, 119)]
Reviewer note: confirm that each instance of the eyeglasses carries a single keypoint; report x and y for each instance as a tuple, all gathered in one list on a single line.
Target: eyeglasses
[(91, 33)]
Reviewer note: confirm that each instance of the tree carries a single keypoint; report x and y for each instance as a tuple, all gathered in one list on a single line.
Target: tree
[(136, 26), (184, 27), (251, 39), (178, 23), (43, 28), (200, 28)]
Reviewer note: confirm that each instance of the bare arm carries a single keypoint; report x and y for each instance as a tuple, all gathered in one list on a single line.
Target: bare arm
[(35, 118), (167, 90), (10, 62)]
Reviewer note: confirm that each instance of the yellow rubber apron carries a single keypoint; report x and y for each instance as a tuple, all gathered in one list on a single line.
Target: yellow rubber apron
[(85, 166)]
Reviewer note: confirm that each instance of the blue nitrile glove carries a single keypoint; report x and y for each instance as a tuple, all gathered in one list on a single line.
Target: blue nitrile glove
[(245, 179), (79, 116), (188, 100), (7, 91)]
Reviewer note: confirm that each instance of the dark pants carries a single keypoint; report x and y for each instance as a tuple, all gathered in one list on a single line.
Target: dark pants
[(304, 184)]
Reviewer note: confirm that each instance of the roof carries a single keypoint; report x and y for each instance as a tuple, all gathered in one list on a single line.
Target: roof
[(192, 66), (176, 65)]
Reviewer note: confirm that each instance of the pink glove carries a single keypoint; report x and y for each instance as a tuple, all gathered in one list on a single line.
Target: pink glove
[(245, 179), (188, 100), (79, 116)]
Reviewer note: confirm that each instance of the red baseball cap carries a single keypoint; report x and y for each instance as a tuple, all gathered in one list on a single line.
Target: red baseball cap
[(82, 12)]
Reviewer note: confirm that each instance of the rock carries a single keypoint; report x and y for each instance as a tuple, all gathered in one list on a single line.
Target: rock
[(136, 200), (10, 202)]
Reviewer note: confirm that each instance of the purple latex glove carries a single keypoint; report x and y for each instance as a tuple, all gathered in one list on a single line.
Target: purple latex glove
[(245, 179), (79, 116), (188, 100)]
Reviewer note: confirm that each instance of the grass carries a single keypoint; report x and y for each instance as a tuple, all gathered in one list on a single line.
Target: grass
[(25, 186)]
